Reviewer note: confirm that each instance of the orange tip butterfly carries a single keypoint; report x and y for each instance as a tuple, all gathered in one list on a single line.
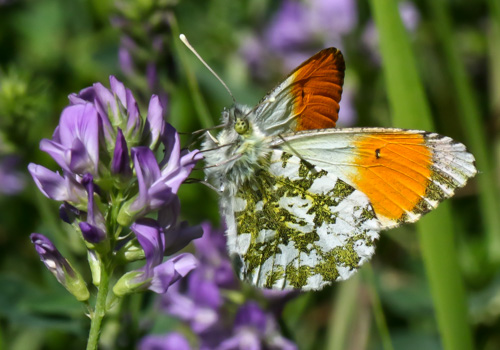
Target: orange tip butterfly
[(303, 201)]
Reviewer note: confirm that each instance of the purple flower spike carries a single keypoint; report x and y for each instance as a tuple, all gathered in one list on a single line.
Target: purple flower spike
[(57, 187), (75, 143), (120, 164), (171, 341), (287, 28), (60, 267), (126, 61)]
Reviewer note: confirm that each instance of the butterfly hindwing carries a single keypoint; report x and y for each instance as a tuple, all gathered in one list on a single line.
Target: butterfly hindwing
[(298, 227)]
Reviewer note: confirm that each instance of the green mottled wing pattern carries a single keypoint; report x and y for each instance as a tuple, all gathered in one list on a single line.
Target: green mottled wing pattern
[(298, 227)]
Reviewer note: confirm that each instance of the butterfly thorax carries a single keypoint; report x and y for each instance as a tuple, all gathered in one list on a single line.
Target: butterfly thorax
[(238, 151)]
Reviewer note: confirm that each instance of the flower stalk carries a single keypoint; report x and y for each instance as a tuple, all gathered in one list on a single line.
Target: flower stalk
[(97, 315)]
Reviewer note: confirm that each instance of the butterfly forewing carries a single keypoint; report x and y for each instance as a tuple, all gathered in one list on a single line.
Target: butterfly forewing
[(299, 227), (307, 99)]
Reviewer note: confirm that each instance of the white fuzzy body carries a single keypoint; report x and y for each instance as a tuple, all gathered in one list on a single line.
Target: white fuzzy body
[(233, 158)]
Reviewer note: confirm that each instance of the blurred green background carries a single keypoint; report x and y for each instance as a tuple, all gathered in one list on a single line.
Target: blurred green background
[(431, 65)]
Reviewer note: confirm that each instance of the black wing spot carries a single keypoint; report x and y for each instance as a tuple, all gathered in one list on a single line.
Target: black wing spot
[(377, 153)]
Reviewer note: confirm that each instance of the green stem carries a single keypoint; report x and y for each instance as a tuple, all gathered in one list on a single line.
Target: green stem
[(100, 309), (378, 312), (410, 109), (470, 117), (341, 322)]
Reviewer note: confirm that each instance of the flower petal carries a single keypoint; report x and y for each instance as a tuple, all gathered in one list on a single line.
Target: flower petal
[(92, 233), (171, 271), (120, 164), (75, 144), (250, 314), (147, 171), (155, 123), (56, 187), (151, 239), (171, 341)]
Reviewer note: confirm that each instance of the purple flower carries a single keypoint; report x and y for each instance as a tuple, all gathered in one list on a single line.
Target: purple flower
[(171, 341), (60, 267), (289, 27), (155, 275), (144, 44), (75, 143), (68, 213), (57, 187), (254, 329), (300, 29), (332, 19), (212, 252), (155, 124), (120, 165), (199, 299), (116, 108), (158, 183), (202, 318), (177, 235), (94, 229), (410, 17), (12, 181)]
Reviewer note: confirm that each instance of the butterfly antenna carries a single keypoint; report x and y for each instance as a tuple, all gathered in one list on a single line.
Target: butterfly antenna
[(208, 129), (198, 181), (196, 135), (186, 42)]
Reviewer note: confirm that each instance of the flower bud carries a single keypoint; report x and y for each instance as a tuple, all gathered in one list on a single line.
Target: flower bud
[(60, 267)]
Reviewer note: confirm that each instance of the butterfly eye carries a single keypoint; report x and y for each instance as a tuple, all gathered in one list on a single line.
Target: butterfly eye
[(241, 126)]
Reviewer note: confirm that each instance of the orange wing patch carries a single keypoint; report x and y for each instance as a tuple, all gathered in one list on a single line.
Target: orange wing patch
[(317, 88), (394, 172)]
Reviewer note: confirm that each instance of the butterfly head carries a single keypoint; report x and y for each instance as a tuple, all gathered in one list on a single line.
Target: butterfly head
[(236, 152), (237, 121)]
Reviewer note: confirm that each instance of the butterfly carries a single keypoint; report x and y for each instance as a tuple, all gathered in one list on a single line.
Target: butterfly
[(304, 202)]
